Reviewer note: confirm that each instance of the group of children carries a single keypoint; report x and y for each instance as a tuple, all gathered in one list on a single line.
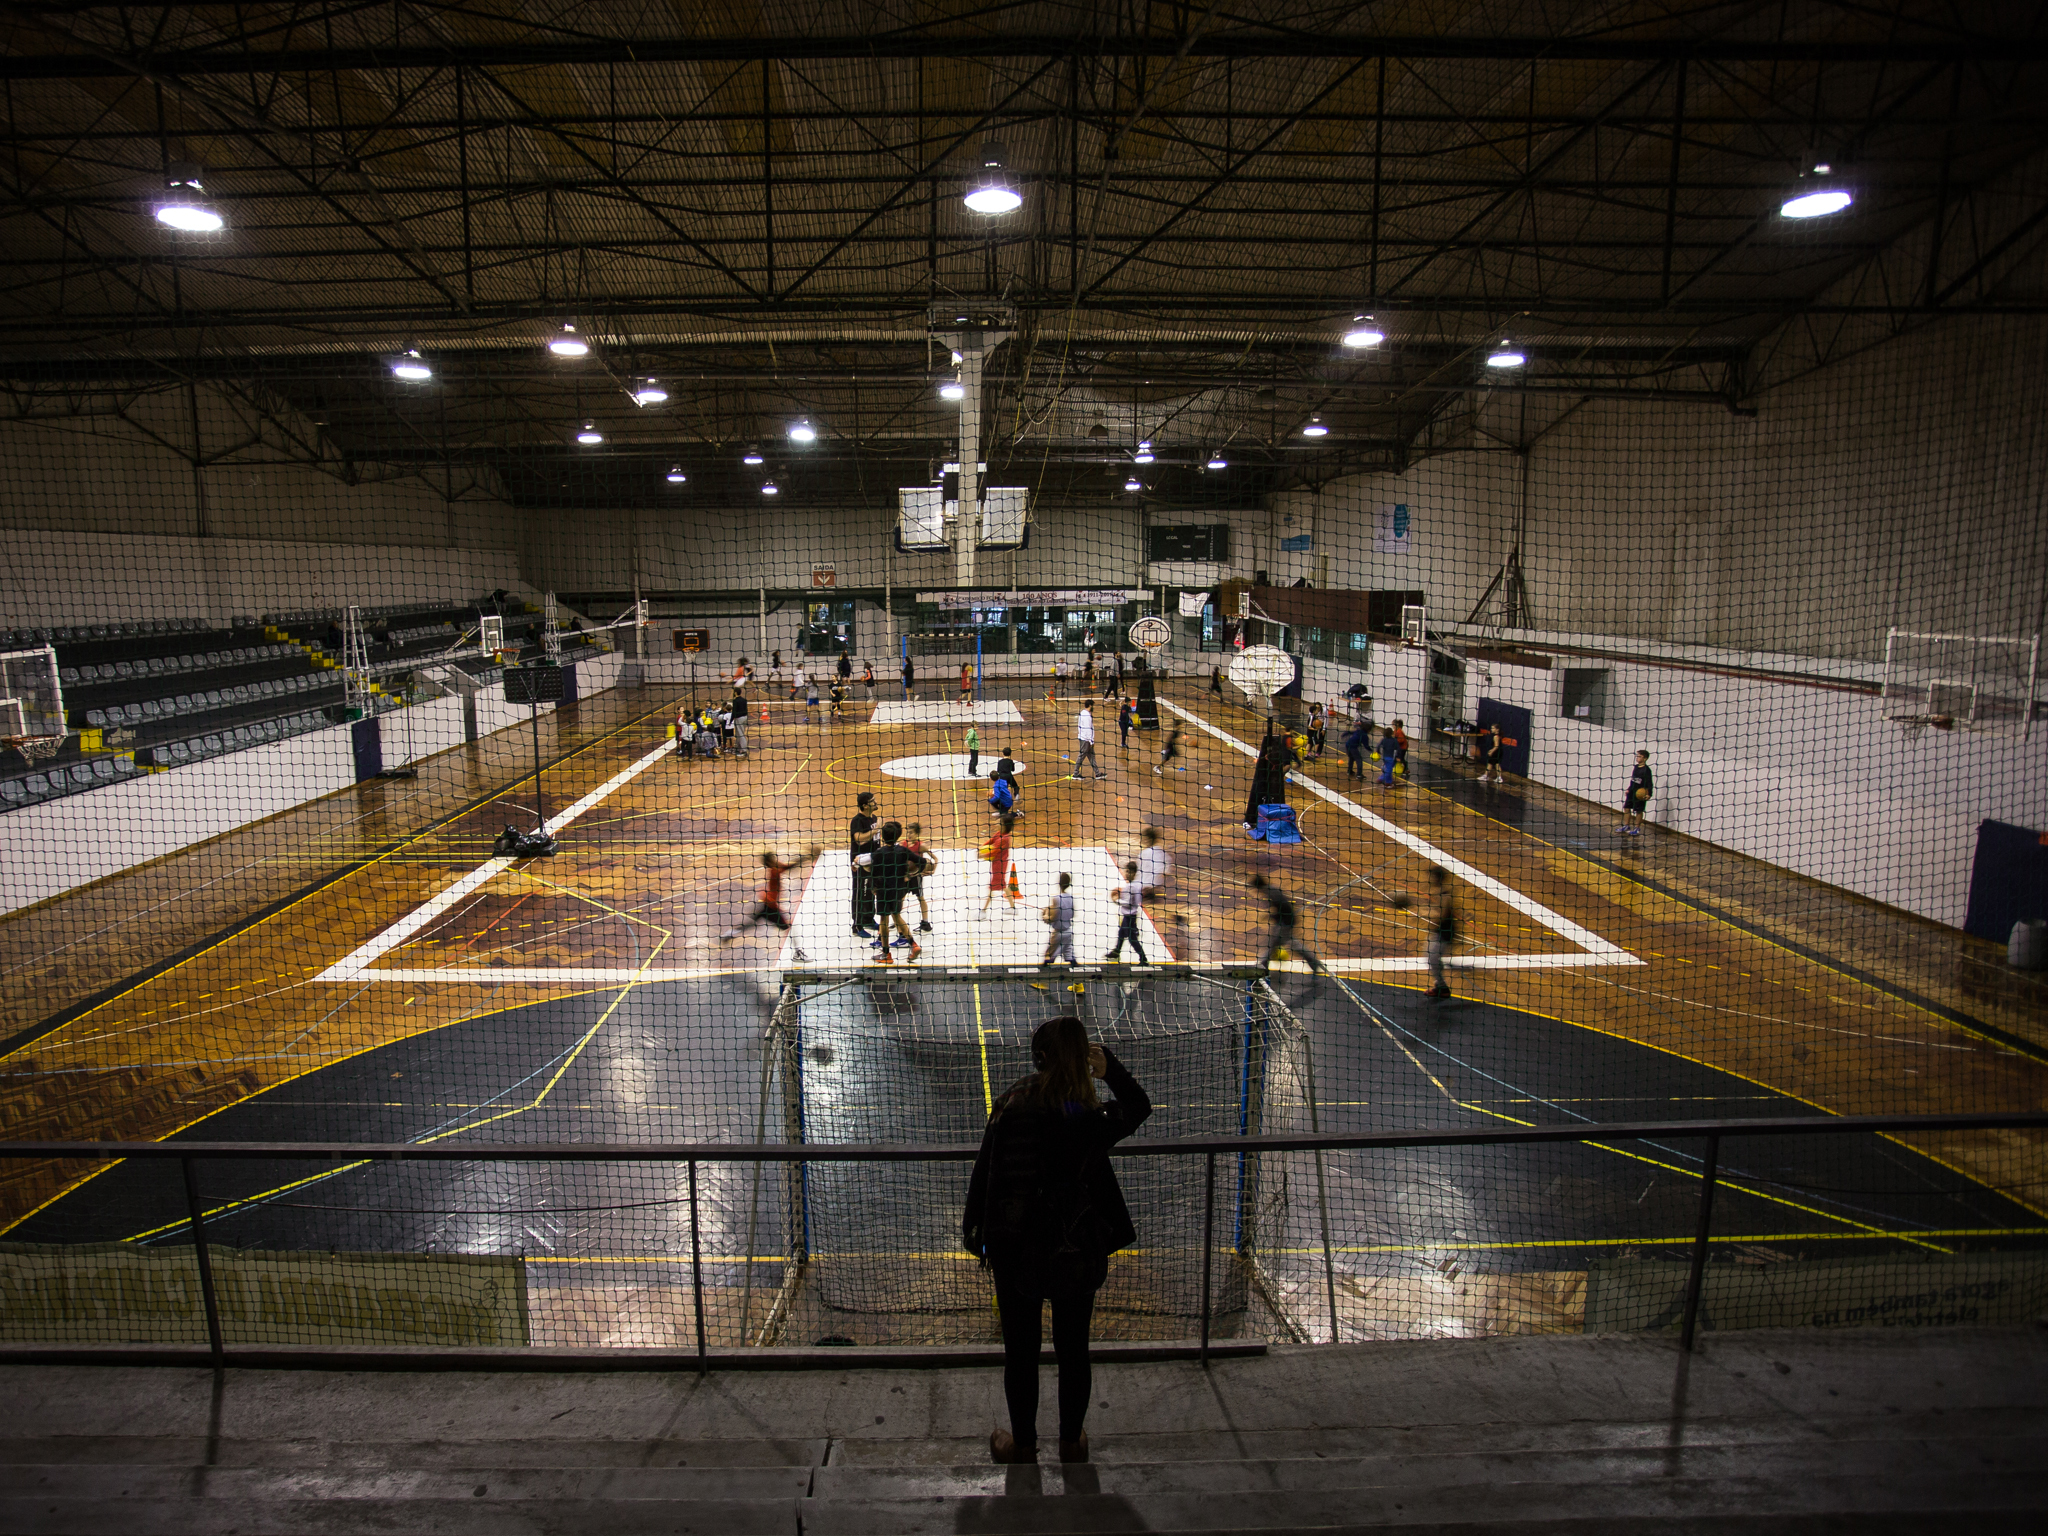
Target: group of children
[(1391, 755)]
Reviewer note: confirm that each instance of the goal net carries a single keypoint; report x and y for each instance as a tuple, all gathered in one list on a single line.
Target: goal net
[(31, 697), (1986, 682), (878, 1245)]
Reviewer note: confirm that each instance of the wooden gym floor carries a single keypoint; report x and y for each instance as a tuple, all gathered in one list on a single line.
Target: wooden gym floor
[(147, 1005)]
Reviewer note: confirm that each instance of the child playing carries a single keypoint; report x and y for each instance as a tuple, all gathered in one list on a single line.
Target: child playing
[(1388, 750), (973, 752), (1169, 750), (769, 908), (966, 682), (1059, 916), (999, 863), (1400, 748), (925, 865), (1130, 901)]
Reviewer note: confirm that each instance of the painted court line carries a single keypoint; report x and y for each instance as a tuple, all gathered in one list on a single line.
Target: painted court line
[(354, 966), (1596, 950)]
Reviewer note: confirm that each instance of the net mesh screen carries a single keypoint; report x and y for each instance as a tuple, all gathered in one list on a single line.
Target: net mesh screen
[(1701, 782)]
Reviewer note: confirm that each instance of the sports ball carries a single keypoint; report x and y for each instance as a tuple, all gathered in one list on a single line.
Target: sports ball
[(1642, 794), (1400, 901)]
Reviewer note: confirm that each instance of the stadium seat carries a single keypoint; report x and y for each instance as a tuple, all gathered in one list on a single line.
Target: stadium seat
[(96, 718), (68, 676), (103, 770), (213, 698), (12, 792), (81, 776), (211, 743), (155, 665), (37, 786), (152, 710), (178, 752)]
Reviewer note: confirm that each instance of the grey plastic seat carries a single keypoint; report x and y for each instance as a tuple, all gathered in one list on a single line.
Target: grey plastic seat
[(12, 792), (179, 752), (36, 786), (103, 770), (81, 776), (68, 676), (210, 743), (213, 698)]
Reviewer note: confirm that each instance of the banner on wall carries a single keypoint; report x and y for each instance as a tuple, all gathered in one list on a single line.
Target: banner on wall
[(1393, 530)]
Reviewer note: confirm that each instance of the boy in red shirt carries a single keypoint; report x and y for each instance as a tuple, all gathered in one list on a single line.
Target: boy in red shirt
[(925, 865), (770, 908)]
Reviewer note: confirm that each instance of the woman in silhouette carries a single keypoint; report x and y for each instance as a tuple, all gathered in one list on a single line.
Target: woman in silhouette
[(1044, 1212)]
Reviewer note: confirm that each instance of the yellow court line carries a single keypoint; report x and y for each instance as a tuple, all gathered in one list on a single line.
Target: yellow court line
[(538, 1099), (1455, 1246), (282, 1082), (310, 895)]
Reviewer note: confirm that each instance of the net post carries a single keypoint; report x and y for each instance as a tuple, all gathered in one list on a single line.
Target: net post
[(199, 1249), (1208, 1248), (697, 1272), (1697, 1275)]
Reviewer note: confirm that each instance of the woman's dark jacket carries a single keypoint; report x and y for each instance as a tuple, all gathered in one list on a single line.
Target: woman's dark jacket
[(1042, 1180)]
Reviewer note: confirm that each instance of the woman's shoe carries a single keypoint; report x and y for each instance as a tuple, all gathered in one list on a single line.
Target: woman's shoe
[(1002, 1449), (1075, 1450)]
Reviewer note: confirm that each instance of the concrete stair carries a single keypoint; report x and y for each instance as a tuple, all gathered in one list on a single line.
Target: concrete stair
[(1874, 1433)]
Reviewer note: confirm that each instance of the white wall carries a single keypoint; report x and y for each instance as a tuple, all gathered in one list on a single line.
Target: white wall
[(63, 844), (52, 578), (1810, 780)]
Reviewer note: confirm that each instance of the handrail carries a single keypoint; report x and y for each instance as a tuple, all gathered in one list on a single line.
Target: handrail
[(692, 1153), (897, 1152)]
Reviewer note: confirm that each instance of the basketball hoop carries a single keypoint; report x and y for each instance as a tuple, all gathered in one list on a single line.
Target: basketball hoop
[(1261, 670), (1151, 634), (36, 749)]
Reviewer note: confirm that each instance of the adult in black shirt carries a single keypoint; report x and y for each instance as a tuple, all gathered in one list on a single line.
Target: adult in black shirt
[(739, 722), (909, 677), (1443, 930), (1281, 920), (890, 869), (861, 838), (845, 667), (1044, 1212)]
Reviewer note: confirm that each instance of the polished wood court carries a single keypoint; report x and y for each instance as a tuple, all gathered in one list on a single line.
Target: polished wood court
[(111, 1042)]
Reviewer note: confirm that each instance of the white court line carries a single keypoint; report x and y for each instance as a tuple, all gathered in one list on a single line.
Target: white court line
[(354, 966), (1598, 951), (916, 712)]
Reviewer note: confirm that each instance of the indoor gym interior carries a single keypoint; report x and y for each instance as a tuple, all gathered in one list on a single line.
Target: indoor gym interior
[(1679, 480)]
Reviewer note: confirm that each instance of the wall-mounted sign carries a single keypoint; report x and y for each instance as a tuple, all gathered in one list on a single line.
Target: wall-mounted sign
[(824, 576)]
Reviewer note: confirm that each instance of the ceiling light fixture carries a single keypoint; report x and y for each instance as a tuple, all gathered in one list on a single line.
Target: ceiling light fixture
[(184, 206), (952, 389), (1315, 428), (1144, 453), (751, 456), (1506, 355), (1817, 199), (650, 393), (993, 193), (569, 344), (768, 488), (676, 475), (411, 367), (1132, 484), (1217, 461), (1363, 333), (801, 431), (590, 437)]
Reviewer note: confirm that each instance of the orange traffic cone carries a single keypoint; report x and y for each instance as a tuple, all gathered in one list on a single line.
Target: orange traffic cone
[(1013, 891)]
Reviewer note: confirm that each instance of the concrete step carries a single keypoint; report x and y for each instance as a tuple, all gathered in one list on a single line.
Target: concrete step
[(197, 1450), (397, 1517), (1936, 1458), (690, 1485), (1840, 1504), (1446, 1439)]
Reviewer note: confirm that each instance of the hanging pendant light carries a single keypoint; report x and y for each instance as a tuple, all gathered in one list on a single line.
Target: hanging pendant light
[(412, 368), (1819, 193), (569, 344), (1506, 355), (1315, 428), (993, 194), (1363, 333), (590, 437), (184, 207)]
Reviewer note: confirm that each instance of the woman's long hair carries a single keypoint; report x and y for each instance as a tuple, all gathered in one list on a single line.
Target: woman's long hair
[(1059, 1049)]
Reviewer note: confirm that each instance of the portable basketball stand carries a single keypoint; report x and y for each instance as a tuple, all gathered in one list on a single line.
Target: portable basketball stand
[(533, 687)]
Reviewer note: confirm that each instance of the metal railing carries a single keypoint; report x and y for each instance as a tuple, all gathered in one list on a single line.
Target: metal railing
[(691, 1154)]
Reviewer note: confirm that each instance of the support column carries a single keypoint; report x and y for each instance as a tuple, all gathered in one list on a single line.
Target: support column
[(967, 525)]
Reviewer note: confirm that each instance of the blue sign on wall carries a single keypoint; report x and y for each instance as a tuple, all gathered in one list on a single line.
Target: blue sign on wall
[(1298, 543)]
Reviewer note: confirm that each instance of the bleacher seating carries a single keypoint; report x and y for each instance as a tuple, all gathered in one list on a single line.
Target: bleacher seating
[(179, 691)]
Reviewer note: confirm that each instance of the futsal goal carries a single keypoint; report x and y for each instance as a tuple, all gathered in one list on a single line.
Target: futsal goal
[(1984, 682), (874, 1248)]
